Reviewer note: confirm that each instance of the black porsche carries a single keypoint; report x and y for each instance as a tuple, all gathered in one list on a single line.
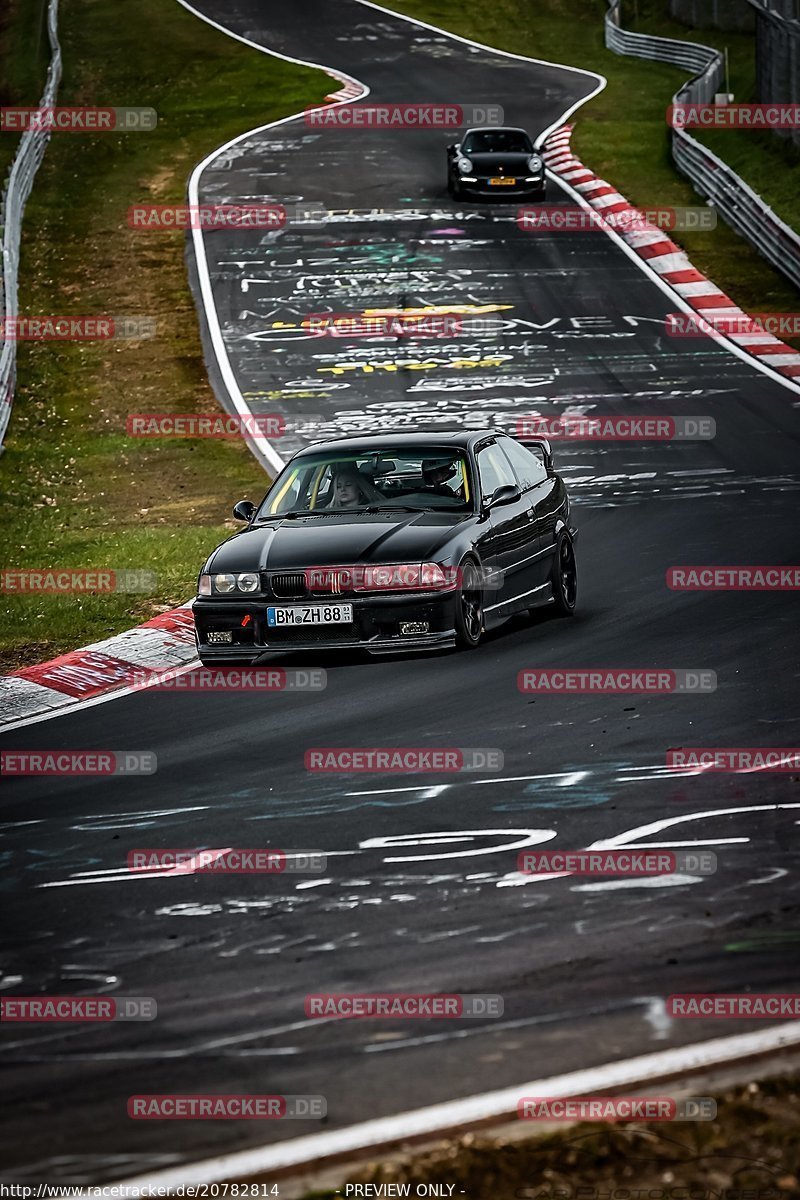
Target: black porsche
[(390, 542), (495, 162)]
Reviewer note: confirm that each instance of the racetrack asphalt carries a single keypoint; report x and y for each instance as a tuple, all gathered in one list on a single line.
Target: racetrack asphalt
[(584, 966)]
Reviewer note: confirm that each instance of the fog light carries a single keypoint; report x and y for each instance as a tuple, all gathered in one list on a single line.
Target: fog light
[(408, 628), (219, 637)]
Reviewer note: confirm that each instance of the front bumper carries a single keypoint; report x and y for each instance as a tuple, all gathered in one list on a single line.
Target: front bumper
[(375, 626), (520, 188)]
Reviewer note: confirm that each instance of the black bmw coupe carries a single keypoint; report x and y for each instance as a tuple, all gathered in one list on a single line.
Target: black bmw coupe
[(495, 162), (390, 542)]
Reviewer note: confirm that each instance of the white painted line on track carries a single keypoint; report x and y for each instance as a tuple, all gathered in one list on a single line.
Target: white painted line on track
[(452, 1116), (261, 446)]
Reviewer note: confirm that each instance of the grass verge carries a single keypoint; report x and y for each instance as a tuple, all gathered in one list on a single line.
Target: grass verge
[(751, 1151), (766, 162), (77, 493), (621, 134)]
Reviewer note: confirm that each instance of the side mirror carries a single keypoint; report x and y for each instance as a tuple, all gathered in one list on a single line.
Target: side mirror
[(245, 510), (506, 494), (454, 149)]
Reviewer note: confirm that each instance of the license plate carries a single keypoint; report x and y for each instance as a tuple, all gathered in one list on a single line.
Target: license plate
[(312, 614), (502, 182)]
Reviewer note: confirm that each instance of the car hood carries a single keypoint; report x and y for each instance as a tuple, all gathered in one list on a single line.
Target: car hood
[(343, 539), (500, 163)]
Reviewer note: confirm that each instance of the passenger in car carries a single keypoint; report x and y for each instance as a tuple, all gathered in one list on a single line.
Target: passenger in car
[(351, 489)]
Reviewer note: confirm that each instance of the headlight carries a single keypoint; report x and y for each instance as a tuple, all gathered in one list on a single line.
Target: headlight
[(534, 163), (204, 585), (248, 583), (224, 583), (432, 575), (401, 577), (463, 164)]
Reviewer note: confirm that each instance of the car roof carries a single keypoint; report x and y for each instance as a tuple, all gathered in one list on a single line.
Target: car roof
[(495, 129), (380, 439)]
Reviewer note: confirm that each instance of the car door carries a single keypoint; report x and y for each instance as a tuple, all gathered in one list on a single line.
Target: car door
[(509, 530), (540, 493)]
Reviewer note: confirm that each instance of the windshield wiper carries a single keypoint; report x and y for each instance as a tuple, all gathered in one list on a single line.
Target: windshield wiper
[(376, 508), (283, 516)]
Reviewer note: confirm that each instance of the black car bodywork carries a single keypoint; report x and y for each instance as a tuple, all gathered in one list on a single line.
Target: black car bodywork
[(495, 162), (504, 545)]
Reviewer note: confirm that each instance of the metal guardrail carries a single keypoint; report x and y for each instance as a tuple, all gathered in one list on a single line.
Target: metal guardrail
[(778, 55), (737, 204), (30, 153)]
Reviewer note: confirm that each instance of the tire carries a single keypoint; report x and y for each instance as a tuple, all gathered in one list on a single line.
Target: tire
[(469, 608), (454, 190), (565, 576)]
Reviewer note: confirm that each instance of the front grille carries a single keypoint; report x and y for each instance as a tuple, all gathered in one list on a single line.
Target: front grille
[(288, 634), (288, 586)]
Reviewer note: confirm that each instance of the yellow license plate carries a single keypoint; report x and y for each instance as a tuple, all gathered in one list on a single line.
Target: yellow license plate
[(502, 182)]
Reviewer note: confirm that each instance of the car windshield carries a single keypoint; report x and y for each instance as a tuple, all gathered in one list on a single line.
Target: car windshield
[(378, 480), (497, 141)]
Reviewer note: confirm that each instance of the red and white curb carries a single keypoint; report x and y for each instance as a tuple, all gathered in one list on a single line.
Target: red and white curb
[(664, 257), (350, 91), (97, 671)]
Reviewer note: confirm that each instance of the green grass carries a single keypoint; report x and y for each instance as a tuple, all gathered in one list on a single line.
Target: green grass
[(622, 134), (76, 492), (768, 163)]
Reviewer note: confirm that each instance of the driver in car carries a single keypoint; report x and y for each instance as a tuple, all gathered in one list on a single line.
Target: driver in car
[(435, 473)]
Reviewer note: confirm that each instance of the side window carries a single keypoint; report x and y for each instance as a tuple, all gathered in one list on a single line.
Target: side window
[(529, 468), (494, 470)]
